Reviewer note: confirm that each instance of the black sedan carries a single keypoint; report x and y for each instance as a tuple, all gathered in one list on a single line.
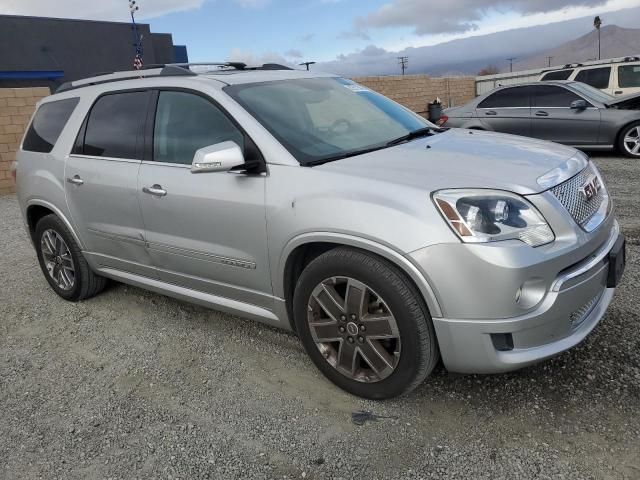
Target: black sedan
[(566, 112)]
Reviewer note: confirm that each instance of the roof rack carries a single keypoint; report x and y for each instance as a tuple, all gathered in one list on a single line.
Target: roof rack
[(164, 70), (593, 63)]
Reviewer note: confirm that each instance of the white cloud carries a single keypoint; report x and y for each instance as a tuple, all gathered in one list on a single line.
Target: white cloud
[(117, 10)]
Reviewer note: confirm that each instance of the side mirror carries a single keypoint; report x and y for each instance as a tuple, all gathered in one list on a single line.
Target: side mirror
[(220, 157), (579, 105)]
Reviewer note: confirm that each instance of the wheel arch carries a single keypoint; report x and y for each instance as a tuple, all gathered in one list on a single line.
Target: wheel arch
[(303, 249), (37, 209)]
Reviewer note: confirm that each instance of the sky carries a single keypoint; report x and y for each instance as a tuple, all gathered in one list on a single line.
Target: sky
[(317, 30)]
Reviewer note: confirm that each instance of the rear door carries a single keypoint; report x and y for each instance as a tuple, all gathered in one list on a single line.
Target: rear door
[(508, 111), (101, 182), (554, 119)]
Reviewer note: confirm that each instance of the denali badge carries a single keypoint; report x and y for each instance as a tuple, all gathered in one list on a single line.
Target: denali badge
[(590, 188)]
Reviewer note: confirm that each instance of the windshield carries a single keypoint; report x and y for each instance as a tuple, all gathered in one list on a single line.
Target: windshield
[(592, 92), (319, 119)]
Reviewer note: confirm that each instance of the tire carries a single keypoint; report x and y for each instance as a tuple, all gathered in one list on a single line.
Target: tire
[(394, 307), (77, 282), (630, 132)]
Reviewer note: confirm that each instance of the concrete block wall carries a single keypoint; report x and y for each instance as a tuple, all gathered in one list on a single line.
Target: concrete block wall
[(416, 91), (16, 107)]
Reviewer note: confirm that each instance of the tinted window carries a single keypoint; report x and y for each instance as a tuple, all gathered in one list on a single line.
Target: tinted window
[(553, 97), (48, 124), (115, 125), (596, 77), (186, 123), (629, 76), (558, 75), (509, 97)]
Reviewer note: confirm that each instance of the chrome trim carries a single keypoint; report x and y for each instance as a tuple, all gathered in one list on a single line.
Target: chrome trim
[(108, 159), (232, 262), (589, 263), (114, 236)]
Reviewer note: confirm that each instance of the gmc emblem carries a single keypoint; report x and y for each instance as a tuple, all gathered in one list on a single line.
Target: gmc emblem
[(590, 188)]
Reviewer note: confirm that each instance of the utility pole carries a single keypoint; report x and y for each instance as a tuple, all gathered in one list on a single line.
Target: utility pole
[(404, 63), (306, 64), (510, 60), (549, 59), (597, 23)]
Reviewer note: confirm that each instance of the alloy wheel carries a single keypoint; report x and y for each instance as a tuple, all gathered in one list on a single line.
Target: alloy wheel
[(57, 259), (354, 329), (632, 141)]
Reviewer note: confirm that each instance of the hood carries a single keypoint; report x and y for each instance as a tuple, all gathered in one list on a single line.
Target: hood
[(631, 102), (461, 159)]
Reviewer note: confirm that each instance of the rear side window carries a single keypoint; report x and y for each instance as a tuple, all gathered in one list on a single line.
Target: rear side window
[(629, 76), (507, 98), (186, 123), (47, 125), (557, 75), (596, 77), (553, 97), (115, 126)]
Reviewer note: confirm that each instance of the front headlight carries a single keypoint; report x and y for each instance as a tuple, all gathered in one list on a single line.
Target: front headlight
[(481, 216)]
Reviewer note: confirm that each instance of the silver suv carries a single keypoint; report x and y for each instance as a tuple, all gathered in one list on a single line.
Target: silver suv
[(310, 203)]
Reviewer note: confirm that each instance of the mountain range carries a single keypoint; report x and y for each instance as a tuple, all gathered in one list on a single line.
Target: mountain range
[(532, 45)]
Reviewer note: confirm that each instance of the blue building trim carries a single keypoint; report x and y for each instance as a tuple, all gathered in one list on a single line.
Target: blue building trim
[(180, 54), (31, 75)]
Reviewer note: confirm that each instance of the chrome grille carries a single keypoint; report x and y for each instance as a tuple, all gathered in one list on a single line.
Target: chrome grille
[(583, 312), (574, 201)]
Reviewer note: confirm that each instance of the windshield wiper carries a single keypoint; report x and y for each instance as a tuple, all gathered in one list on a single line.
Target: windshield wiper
[(421, 132), (342, 156)]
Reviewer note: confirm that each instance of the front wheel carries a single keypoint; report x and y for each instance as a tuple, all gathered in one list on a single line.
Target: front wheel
[(364, 324), (629, 142)]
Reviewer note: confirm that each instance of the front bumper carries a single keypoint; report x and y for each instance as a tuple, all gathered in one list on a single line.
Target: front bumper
[(573, 302)]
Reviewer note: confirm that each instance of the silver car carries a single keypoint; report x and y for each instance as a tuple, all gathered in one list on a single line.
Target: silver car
[(310, 203), (567, 112)]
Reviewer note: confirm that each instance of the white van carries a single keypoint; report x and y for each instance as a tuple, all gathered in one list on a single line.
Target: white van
[(619, 77)]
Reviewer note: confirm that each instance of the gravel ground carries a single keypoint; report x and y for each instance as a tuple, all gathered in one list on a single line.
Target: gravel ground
[(135, 385)]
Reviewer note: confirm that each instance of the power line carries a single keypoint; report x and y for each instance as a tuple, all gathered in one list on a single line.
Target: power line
[(404, 63), (549, 59), (510, 60)]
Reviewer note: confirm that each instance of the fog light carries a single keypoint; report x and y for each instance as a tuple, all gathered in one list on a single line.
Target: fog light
[(531, 293), (503, 342)]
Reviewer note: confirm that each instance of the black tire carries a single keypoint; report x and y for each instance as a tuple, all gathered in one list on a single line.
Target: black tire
[(419, 354), (86, 283), (629, 130)]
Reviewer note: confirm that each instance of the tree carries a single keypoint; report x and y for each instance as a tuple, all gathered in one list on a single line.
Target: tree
[(488, 70)]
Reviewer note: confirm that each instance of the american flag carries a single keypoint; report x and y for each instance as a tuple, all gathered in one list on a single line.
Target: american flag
[(137, 62)]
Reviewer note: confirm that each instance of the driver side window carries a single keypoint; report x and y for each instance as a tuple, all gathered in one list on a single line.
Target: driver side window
[(185, 123)]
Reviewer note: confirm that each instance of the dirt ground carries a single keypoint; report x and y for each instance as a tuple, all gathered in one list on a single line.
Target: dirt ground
[(135, 385)]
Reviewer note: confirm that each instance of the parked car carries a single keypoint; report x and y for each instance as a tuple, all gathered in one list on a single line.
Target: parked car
[(566, 112), (310, 203), (616, 78)]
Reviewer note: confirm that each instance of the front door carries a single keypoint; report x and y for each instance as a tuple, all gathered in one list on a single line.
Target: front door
[(552, 117), (101, 182), (205, 231)]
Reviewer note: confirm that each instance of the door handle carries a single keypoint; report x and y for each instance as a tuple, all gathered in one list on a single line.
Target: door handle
[(541, 114), (156, 190), (75, 180), (491, 112), (618, 92)]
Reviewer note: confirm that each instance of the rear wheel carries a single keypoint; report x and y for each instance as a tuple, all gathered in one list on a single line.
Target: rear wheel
[(364, 324), (629, 141), (62, 262)]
